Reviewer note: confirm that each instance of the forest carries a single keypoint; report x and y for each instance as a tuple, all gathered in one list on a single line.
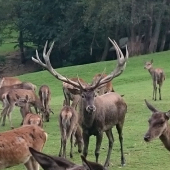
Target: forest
[(80, 28)]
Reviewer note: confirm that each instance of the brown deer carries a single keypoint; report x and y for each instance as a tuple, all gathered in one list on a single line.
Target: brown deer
[(99, 114), (68, 91), (158, 126), (48, 162), (8, 81), (29, 118), (68, 120), (9, 100), (45, 97), (158, 77), (14, 146), (105, 88)]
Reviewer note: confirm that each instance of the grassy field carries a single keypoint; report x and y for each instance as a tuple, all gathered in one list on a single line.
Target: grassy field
[(135, 83)]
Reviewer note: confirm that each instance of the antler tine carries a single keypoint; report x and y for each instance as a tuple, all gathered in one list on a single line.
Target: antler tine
[(48, 66), (120, 65), (82, 87)]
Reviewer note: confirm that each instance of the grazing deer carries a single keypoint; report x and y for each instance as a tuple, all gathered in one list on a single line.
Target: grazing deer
[(68, 120), (48, 162), (158, 126), (8, 81), (28, 117), (99, 114), (68, 91), (45, 97), (105, 88), (158, 78), (9, 99), (14, 146)]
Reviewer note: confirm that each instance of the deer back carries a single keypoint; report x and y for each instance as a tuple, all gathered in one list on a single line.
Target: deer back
[(8, 81), (14, 144)]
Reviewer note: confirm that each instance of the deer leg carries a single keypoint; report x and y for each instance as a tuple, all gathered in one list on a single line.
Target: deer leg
[(111, 140), (86, 138), (60, 153), (71, 141), (35, 164), (64, 143), (160, 92), (11, 108), (99, 138), (119, 130), (3, 114), (154, 90), (28, 165)]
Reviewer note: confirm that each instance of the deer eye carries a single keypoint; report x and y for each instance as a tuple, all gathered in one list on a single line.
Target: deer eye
[(83, 96)]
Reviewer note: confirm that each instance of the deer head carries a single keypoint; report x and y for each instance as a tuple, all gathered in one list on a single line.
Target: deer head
[(158, 122), (87, 92), (148, 64)]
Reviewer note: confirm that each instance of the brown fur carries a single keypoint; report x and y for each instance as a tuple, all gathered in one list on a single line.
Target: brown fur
[(45, 97), (68, 120), (8, 81), (68, 91), (105, 88), (158, 126), (158, 77), (14, 146), (10, 99)]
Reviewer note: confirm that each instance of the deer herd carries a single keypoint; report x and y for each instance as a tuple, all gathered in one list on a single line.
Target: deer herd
[(88, 109)]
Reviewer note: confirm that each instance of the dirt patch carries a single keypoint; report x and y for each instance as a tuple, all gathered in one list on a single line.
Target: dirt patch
[(13, 66)]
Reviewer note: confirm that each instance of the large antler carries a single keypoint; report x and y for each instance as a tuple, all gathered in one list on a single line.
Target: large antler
[(48, 66), (118, 70)]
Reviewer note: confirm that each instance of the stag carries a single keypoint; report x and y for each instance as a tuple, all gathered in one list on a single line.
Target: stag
[(69, 95), (158, 126), (9, 100), (68, 120), (99, 114), (14, 146), (29, 118), (103, 89), (158, 77), (48, 162)]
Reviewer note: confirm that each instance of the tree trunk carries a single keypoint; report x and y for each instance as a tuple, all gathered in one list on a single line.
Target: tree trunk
[(163, 40), (106, 49), (21, 46)]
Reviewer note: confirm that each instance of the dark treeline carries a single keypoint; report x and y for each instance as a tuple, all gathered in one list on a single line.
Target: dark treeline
[(80, 27)]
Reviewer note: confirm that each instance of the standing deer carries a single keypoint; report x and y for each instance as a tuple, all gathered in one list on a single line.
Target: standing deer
[(48, 162), (105, 88), (29, 118), (99, 114), (45, 97), (158, 78), (8, 81), (158, 126), (9, 99), (68, 91), (68, 120), (14, 146)]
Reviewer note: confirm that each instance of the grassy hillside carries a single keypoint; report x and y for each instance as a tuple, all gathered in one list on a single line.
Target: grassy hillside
[(135, 83)]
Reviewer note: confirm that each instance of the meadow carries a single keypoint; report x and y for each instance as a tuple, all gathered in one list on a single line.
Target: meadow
[(135, 83)]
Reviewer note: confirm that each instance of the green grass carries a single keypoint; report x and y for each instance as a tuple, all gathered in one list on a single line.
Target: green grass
[(135, 83), (5, 48)]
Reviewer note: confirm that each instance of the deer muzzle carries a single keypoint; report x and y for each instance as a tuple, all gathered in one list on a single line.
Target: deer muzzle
[(147, 138), (90, 108)]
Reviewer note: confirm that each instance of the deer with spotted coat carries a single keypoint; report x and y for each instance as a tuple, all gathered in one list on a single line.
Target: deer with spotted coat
[(99, 113)]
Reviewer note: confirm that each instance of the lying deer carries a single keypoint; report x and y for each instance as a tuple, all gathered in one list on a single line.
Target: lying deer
[(28, 117), (48, 162), (105, 88), (99, 114), (68, 91), (8, 81), (68, 120), (9, 99), (14, 146), (45, 97), (158, 78), (158, 126)]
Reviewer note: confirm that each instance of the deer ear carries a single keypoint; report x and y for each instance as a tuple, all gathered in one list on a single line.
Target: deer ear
[(27, 98), (46, 162), (85, 163), (168, 114), (74, 91), (150, 107)]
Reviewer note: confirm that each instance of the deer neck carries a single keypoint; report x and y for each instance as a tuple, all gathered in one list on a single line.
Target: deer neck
[(151, 71), (165, 138)]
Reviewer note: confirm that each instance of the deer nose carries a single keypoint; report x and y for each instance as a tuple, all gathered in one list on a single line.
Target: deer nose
[(91, 108), (146, 138)]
